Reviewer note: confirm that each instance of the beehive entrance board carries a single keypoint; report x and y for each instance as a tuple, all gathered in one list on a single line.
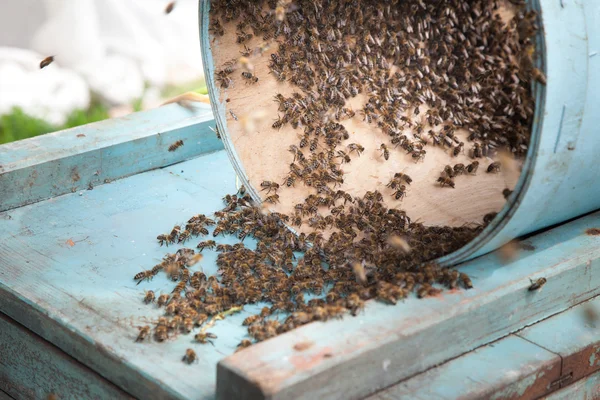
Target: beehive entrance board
[(261, 153)]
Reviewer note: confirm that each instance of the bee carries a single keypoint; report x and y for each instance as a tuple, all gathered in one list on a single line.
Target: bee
[(176, 145), (197, 279), (268, 185), (456, 151), (233, 115), (355, 147), (169, 7), (183, 236), (249, 77), (538, 75), (466, 281), (272, 199), (162, 300), (251, 319), (163, 239), (506, 193), (206, 244), (180, 286), (449, 172), (160, 332), (289, 180), (149, 297), (203, 337), (246, 52), (494, 167), (472, 168), (46, 61), (190, 356), (144, 331), (487, 218), (344, 156), (400, 193), (174, 233), (459, 169), (243, 344), (279, 122), (386, 153), (404, 177), (144, 275), (476, 151), (537, 284), (445, 181), (298, 155)]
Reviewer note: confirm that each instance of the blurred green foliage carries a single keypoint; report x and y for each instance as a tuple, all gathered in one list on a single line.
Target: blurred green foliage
[(18, 125)]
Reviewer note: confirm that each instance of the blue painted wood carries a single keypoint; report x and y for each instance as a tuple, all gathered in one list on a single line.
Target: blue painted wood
[(511, 368), (83, 299), (62, 162), (584, 389), (31, 368), (574, 336), (419, 334)]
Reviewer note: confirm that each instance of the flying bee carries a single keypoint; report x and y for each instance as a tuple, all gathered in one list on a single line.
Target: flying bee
[(203, 337), (144, 331), (149, 297), (190, 356), (268, 185), (384, 150), (144, 275), (163, 239), (249, 77), (472, 168), (273, 199), (206, 244), (494, 167), (176, 145), (46, 61), (537, 285), (195, 259), (400, 193), (456, 151), (169, 7), (445, 181)]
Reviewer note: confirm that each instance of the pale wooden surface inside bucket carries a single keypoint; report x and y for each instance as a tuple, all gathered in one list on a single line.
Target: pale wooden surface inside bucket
[(264, 154)]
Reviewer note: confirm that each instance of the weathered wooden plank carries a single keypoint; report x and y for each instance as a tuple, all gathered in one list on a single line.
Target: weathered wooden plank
[(82, 297), (511, 368), (574, 336), (62, 162), (584, 389), (32, 368), (346, 358)]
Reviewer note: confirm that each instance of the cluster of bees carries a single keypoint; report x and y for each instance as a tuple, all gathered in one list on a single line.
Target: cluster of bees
[(427, 71)]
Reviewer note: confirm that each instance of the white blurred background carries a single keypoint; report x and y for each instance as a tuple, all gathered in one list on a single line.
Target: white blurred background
[(121, 53)]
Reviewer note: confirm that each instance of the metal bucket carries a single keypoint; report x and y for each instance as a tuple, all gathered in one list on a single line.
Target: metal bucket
[(561, 176)]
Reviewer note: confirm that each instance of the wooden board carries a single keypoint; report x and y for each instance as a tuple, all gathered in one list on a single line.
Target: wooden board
[(574, 336), (511, 368), (261, 152), (345, 356), (31, 368), (584, 389), (66, 161)]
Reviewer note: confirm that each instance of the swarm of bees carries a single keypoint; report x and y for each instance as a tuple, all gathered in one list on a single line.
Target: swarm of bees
[(423, 79)]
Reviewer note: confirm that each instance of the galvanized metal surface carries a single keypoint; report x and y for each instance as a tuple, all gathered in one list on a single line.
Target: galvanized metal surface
[(31, 368), (346, 357), (511, 368), (63, 162)]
